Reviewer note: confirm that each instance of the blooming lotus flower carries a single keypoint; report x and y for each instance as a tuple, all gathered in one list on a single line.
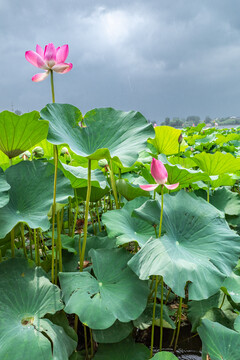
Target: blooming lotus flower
[(160, 175), (51, 59)]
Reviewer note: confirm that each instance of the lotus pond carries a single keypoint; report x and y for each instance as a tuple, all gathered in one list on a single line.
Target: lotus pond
[(104, 250), (117, 240)]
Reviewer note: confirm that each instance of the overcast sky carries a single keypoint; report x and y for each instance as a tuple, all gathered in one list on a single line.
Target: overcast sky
[(160, 57)]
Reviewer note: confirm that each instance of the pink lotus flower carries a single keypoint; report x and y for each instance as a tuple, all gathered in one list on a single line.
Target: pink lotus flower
[(160, 175), (51, 59)]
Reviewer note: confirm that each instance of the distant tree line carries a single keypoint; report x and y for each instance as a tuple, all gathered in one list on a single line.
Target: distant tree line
[(195, 120)]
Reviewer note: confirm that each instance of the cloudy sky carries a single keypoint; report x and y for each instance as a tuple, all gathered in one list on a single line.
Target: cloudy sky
[(160, 57)]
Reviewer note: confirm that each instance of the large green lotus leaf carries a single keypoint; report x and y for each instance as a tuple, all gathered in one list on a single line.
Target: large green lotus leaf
[(108, 132), (31, 195), (164, 355), (166, 140), (231, 286), (4, 187), (126, 349), (185, 162), (130, 191), (217, 164), (198, 249), (117, 332), (222, 180), (218, 341), (121, 225), (20, 132), (221, 139), (115, 293), (26, 296), (79, 175)]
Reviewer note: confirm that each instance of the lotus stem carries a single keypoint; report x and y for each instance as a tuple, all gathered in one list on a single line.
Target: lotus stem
[(99, 222), (0, 255), (113, 183), (86, 216), (35, 245), (31, 242), (76, 323), (10, 162), (55, 151), (23, 240), (91, 339), (208, 190), (179, 323), (153, 317), (85, 340), (161, 317), (76, 213), (169, 291), (59, 242), (92, 221), (69, 216), (222, 301), (62, 215), (12, 243), (52, 87), (161, 214)]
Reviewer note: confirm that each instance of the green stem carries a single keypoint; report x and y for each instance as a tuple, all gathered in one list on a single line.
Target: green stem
[(161, 214), (31, 242), (52, 87), (23, 240), (76, 213), (92, 221), (222, 301), (59, 240), (179, 323), (114, 189), (153, 317), (37, 243), (85, 340), (161, 316), (55, 151), (69, 216), (169, 292), (10, 162), (12, 243), (76, 323), (91, 339), (86, 216), (208, 190), (99, 223), (0, 255)]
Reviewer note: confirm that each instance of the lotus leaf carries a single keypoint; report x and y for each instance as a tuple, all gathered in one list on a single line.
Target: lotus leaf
[(198, 249), (114, 294), (108, 132)]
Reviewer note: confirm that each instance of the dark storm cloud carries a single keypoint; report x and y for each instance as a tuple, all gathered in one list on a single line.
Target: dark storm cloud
[(159, 57)]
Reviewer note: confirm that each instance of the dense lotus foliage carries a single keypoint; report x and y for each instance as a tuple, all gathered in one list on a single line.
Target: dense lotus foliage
[(81, 277)]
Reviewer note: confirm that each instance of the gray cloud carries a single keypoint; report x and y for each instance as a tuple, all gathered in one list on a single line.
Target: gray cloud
[(158, 57)]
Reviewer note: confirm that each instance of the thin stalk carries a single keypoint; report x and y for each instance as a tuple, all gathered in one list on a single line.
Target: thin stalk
[(35, 245), (23, 240), (10, 162), (86, 216), (179, 323), (153, 317), (31, 242), (208, 190), (85, 340), (91, 339), (161, 317), (59, 240), (169, 291), (0, 255), (92, 221), (38, 242), (69, 216), (222, 301), (52, 87), (161, 214), (155, 228), (99, 222), (113, 183), (76, 323), (119, 177), (62, 214), (12, 243), (55, 151), (76, 213)]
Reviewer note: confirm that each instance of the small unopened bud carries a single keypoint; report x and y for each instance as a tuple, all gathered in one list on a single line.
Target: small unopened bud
[(25, 155), (38, 152), (102, 163), (180, 139), (64, 151)]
